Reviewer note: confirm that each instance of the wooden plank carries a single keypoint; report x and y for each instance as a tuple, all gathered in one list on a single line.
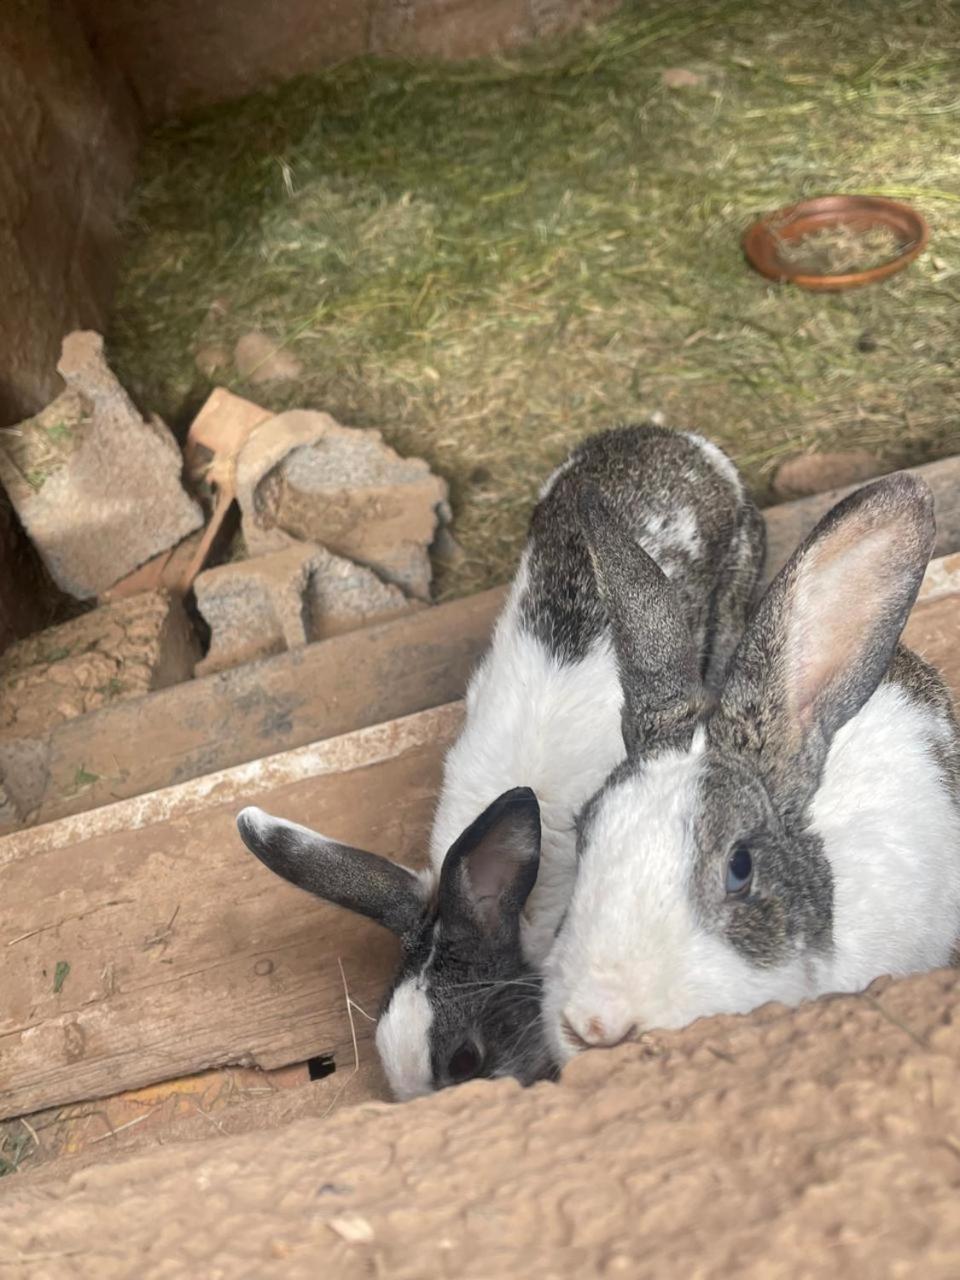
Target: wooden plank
[(348, 682), (934, 633), (941, 579), (790, 522), (363, 678), (184, 952)]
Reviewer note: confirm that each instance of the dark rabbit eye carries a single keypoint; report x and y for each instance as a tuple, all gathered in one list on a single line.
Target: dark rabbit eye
[(739, 872), (464, 1064)]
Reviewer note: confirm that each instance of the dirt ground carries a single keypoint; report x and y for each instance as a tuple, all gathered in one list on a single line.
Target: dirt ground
[(818, 1142), (488, 260)]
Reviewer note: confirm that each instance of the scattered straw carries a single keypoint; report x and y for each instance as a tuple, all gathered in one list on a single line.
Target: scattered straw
[(489, 260), (353, 1029), (114, 1130), (32, 1132), (841, 249), (351, 1005)]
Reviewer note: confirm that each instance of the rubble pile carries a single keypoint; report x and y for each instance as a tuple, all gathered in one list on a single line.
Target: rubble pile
[(265, 533)]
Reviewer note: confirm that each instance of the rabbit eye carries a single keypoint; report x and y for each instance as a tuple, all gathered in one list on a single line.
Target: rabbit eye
[(739, 872), (464, 1064)]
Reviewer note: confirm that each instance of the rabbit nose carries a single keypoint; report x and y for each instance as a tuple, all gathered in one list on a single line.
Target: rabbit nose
[(594, 1033)]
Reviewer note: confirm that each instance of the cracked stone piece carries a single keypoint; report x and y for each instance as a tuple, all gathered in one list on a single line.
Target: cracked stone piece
[(97, 488), (286, 599), (212, 444), (303, 476), (117, 651)]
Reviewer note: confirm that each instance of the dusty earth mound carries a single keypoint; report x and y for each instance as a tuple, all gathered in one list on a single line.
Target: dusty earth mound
[(790, 1143)]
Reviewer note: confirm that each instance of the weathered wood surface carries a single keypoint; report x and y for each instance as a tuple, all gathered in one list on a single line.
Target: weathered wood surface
[(790, 522), (364, 678), (934, 632), (185, 952)]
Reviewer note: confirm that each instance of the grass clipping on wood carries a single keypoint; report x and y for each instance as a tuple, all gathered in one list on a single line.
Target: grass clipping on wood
[(489, 260)]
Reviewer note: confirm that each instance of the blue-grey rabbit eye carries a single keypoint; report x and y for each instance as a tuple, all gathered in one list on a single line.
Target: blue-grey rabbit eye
[(739, 871), (464, 1063)]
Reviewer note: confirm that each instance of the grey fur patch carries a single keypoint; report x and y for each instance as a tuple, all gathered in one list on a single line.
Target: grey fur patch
[(925, 685), (352, 878), (483, 994), (697, 525), (485, 998), (789, 908), (757, 717)]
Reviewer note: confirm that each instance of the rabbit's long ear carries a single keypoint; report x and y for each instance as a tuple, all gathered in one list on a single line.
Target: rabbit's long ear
[(491, 868), (656, 655), (363, 882), (826, 631)]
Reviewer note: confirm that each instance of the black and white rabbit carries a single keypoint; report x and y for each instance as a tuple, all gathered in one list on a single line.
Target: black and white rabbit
[(543, 710), (802, 836)]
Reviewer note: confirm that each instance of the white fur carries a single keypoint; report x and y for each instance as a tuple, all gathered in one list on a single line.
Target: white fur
[(533, 722), (892, 833), (555, 475), (403, 1038), (723, 465), (264, 823), (670, 533), (631, 953)]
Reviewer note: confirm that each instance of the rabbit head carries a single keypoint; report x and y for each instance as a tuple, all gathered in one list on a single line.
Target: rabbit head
[(464, 1003)]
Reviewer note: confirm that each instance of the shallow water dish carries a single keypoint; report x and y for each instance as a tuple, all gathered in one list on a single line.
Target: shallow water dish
[(763, 242)]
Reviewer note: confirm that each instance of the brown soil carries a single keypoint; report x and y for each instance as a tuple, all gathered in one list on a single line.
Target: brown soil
[(820, 1142)]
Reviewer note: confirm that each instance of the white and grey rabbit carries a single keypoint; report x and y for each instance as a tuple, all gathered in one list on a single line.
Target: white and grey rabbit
[(802, 836), (542, 710)]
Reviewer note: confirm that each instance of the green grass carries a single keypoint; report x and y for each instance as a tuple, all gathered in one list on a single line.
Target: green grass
[(490, 259)]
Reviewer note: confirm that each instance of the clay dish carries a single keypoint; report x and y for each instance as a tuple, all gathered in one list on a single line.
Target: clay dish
[(763, 241)]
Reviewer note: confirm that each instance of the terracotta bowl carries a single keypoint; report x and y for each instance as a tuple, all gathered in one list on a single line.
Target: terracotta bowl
[(859, 213)]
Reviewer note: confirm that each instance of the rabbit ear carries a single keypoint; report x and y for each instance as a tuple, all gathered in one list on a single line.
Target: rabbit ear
[(362, 882), (655, 651), (490, 869), (826, 631)]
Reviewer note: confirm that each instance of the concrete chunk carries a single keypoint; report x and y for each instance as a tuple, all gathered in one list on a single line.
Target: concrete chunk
[(97, 488), (304, 476), (287, 599)]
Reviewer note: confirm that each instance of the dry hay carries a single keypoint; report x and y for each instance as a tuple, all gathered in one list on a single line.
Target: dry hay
[(491, 259)]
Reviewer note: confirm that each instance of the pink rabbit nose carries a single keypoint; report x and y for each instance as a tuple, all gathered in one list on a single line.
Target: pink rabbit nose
[(594, 1033)]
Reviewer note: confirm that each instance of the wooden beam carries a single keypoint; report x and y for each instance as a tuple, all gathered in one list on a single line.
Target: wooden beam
[(184, 952), (362, 678), (142, 941), (790, 522)]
